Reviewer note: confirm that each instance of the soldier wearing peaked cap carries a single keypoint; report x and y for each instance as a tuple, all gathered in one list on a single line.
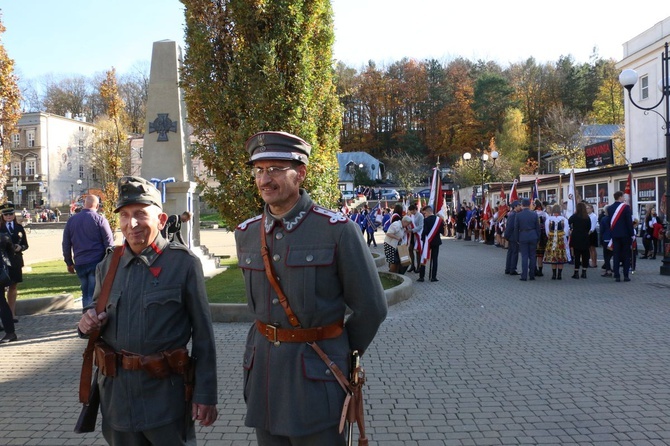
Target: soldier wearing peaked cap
[(156, 306), (319, 261)]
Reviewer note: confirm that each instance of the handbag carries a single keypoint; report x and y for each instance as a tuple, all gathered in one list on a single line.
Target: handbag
[(403, 253), (89, 392)]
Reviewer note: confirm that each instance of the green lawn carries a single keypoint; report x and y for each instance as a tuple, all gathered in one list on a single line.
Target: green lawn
[(51, 279)]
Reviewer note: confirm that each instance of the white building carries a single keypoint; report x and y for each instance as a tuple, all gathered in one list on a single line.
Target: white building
[(49, 154)]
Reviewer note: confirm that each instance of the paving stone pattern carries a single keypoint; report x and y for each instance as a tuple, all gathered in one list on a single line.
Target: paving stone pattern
[(478, 358)]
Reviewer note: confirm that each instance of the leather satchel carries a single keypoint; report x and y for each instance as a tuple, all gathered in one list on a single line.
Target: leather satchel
[(89, 392)]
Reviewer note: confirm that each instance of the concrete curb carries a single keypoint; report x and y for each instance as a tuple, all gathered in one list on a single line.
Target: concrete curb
[(44, 304), (240, 313), (220, 312)]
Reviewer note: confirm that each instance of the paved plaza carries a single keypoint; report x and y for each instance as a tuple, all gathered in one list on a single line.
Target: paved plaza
[(478, 358)]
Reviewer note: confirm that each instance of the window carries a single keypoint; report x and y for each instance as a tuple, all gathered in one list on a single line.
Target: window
[(94, 174), (16, 140), (30, 166), (81, 146), (81, 171), (16, 168), (644, 87)]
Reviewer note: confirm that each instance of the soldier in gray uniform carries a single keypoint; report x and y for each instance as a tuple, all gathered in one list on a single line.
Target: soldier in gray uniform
[(157, 304), (323, 267)]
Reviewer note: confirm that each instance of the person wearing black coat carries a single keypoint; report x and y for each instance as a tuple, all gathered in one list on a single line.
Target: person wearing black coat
[(621, 227), (17, 234), (580, 227), (6, 315), (433, 227)]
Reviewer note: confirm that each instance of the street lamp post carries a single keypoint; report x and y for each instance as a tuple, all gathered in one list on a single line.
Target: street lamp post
[(79, 181), (628, 78), (483, 157)]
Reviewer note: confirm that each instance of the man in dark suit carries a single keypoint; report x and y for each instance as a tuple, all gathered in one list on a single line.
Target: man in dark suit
[(433, 227), (621, 228), (527, 227), (512, 243)]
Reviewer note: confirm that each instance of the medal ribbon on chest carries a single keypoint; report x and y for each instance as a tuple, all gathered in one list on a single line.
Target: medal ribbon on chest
[(155, 271)]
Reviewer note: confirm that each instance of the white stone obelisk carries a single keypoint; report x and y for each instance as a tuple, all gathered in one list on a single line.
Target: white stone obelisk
[(166, 157)]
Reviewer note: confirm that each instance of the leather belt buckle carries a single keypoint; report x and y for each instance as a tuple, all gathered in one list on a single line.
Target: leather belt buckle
[(271, 334)]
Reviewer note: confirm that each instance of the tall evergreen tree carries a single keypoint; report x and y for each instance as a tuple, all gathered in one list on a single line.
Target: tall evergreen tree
[(260, 65)]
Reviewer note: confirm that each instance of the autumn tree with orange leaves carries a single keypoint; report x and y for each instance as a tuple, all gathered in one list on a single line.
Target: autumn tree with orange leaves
[(10, 109)]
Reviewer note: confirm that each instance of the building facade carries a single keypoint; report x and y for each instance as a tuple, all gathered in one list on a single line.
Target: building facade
[(49, 164)]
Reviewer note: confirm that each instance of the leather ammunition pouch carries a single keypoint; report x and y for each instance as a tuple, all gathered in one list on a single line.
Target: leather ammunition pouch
[(158, 365), (105, 358)]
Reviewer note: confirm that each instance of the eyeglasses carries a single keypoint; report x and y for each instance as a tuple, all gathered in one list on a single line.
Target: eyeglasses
[(272, 171)]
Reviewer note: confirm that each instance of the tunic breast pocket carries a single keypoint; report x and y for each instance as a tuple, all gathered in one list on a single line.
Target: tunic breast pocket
[(306, 263), (164, 317)]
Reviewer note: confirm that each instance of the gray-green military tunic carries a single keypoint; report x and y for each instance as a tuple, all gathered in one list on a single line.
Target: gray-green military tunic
[(323, 266), (158, 302)]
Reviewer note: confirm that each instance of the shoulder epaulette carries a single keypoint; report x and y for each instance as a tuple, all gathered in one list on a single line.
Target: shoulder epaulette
[(335, 217), (245, 224)]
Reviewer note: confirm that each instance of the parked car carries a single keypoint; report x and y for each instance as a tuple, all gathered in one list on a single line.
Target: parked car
[(424, 193), (390, 194)]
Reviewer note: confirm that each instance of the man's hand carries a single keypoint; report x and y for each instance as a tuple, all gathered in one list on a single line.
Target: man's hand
[(206, 414), (91, 321), (70, 269)]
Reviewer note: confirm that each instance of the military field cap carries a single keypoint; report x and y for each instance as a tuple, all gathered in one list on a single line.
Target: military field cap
[(277, 146), (525, 202), (515, 203), (137, 190), (7, 208)]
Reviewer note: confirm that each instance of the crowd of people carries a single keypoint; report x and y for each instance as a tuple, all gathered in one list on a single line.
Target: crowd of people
[(539, 234), (562, 237)]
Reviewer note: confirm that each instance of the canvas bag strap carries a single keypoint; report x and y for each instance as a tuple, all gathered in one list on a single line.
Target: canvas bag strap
[(265, 252), (87, 364)]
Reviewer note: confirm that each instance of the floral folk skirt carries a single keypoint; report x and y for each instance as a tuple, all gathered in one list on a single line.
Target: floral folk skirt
[(555, 249)]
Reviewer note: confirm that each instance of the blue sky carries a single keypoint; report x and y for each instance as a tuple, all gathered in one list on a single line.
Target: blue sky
[(63, 37)]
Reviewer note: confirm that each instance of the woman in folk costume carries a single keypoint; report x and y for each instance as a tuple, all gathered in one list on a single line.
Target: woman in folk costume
[(542, 242), (555, 253)]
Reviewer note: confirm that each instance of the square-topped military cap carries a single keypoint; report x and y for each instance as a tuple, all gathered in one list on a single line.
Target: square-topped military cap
[(137, 190), (7, 208), (277, 146)]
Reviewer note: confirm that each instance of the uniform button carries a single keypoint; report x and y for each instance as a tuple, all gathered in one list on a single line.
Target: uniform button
[(275, 301), (309, 258), (328, 372), (276, 257), (248, 261), (279, 236)]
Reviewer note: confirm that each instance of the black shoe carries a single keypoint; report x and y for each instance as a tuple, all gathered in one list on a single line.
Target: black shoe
[(626, 279), (617, 279), (434, 280), (9, 337), (410, 269), (575, 275), (513, 273), (531, 278), (583, 274), (607, 274), (539, 273), (522, 279), (16, 321), (507, 272), (420, 279)]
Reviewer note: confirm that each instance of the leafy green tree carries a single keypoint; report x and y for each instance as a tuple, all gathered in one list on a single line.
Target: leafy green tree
[(10, 108), (254, 66)]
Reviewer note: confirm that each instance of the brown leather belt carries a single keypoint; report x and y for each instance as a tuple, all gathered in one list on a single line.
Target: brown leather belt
[(275, 334)]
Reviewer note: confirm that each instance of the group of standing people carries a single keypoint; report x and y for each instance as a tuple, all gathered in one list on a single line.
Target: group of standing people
[(552, 239)]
